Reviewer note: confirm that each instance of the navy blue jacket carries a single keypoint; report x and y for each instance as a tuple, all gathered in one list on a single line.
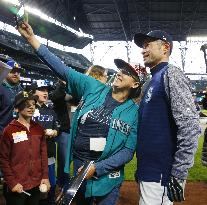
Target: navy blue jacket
[(48, 119), (7, 94), (169, 127)]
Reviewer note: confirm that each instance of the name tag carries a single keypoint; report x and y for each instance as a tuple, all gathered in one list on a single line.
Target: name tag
[(97, 144), (19, 136)]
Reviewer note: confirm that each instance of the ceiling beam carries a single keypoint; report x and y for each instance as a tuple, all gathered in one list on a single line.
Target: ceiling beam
[(121, 7)]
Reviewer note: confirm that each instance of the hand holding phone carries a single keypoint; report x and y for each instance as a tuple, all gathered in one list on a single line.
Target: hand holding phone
[(21, 16), (26, 30)]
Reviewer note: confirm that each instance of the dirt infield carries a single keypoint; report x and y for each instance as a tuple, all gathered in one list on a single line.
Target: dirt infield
[(196, 194)]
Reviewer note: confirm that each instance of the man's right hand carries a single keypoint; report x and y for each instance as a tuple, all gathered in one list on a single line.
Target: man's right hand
[(50, 133), (17, 188), (26, 31), (175, 190)]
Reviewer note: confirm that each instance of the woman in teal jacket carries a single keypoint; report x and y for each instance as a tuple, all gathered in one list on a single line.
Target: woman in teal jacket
[(104, 127)]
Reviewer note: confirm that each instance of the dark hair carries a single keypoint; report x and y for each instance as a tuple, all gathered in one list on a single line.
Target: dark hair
[(96, 71), (135, 92), (22, 105)]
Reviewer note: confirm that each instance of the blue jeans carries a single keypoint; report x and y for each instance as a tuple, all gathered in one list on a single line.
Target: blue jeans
[(110, 198), (62, 141), (52, 179)]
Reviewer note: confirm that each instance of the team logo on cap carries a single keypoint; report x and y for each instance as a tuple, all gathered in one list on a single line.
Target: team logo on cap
[(25, 94), (140, 70), (16, 65)]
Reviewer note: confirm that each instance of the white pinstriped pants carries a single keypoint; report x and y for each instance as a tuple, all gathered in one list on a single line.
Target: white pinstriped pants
[(152, 193)]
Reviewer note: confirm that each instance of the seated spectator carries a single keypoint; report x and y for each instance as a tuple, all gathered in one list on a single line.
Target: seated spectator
[(23, 154)]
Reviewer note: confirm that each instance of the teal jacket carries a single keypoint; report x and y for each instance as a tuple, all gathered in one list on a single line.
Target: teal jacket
[(123, 127)]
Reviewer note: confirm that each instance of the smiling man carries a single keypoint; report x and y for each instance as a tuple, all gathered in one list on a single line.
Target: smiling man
[(169, 125), (8, 89)]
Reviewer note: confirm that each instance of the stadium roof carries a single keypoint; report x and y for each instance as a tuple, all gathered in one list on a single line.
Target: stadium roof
[(120, 19), (44, 28)]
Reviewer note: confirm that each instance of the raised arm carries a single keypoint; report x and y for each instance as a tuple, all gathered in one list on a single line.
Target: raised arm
[(26, 31), (52, 61), (78, 83)]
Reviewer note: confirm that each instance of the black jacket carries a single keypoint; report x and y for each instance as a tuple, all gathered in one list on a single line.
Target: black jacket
[(60, 107), (204, 151)]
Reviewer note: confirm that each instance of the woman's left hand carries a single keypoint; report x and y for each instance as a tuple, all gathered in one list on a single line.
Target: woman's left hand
[(90, 173)]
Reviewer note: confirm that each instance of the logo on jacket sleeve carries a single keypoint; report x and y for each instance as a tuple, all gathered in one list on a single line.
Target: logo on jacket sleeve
[(121, 126), (114, 174)]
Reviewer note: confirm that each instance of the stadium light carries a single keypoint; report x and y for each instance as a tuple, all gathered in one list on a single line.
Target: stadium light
[(15, 2), (40, 14), (196, 38)]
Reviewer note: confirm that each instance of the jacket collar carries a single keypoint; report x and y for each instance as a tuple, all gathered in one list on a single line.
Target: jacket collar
[(158, 67), (18, 124), (7, 85)]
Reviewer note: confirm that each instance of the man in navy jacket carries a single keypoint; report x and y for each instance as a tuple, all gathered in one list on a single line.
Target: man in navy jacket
[(169, 125), (8, 90)]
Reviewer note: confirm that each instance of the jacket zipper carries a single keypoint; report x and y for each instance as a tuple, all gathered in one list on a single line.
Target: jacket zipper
[(30, 155)]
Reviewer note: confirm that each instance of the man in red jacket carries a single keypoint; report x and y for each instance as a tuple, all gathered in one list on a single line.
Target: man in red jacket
[(23, 154)]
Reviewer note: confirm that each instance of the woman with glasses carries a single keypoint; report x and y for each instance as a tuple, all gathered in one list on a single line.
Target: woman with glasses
[(104, 128)]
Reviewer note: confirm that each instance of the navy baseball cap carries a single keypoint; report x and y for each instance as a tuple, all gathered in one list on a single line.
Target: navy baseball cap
[(41, 85), (13, 64), (139, 38)]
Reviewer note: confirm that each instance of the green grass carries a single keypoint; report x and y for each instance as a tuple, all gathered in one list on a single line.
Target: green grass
[(196, 173)]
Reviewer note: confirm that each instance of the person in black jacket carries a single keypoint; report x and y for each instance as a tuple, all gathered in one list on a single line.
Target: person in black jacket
[(48, 119), (204, 102), (60, 107), (204, 150)]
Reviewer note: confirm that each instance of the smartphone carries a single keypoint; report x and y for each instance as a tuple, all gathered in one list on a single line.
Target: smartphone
[(21, 16)]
